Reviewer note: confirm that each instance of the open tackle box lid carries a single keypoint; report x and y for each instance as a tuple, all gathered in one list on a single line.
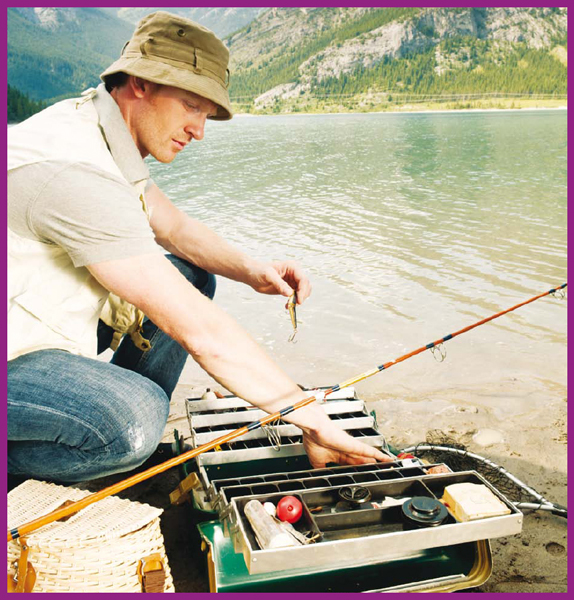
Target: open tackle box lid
[(210, 419)]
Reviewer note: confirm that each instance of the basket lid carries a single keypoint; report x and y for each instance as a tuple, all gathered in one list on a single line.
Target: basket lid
[(111, 517)]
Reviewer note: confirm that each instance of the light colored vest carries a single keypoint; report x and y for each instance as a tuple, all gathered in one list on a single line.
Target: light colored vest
[(51, 303)]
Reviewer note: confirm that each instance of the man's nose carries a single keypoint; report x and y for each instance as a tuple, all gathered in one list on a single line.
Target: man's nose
[(196, 127)]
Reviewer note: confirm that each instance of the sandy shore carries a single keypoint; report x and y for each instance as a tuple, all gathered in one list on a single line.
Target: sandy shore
[(531, 445)]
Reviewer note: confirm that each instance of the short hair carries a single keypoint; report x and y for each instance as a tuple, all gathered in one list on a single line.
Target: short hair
[(115, 80)]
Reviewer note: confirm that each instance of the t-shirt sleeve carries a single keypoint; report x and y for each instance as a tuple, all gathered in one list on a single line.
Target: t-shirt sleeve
[(94, 215)]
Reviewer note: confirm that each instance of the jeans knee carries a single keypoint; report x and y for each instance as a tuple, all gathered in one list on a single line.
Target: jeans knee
[(205, 282), (142, 430), (209, 288)]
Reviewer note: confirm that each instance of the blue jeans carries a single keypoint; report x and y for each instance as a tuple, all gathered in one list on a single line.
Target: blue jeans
[(72, 418)]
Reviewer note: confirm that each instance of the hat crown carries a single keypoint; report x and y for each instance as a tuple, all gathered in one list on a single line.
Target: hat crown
[(167, 36), (171, 50)]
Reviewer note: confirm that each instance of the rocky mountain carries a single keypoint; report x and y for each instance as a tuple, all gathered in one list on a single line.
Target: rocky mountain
[(289, 52), (222, 21), (426, 30)]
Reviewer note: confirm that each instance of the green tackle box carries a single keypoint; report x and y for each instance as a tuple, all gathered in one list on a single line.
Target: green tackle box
[(359, 548)]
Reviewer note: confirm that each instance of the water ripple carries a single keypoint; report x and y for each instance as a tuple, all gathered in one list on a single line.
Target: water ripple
[(407, 224)]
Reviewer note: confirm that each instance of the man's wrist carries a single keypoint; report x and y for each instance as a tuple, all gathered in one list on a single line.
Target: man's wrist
[(251, 270), (310, 419)]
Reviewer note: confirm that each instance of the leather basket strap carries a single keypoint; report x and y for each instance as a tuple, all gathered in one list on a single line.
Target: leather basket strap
[(151, 574)]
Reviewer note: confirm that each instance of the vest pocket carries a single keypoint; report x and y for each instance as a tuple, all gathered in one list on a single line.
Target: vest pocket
[(74, 317)]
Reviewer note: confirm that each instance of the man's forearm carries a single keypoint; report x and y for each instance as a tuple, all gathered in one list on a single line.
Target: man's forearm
[(213, 338), (226, 351), (193, 241), (231, 356), (197, 243)]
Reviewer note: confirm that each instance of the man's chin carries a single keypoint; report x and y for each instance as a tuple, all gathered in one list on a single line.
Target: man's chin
[(164, 157)]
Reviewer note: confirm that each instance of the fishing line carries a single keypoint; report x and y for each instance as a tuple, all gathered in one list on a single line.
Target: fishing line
[(177, 460)]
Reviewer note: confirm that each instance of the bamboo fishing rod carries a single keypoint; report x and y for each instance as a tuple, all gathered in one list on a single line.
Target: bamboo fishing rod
[(74, 507)]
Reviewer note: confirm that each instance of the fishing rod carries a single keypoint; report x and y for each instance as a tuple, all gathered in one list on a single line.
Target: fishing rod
[(74, 507)]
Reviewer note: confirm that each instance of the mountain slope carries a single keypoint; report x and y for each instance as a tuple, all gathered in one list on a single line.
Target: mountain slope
[(307, 58), (58, 52), (54, 52), (288, 56)]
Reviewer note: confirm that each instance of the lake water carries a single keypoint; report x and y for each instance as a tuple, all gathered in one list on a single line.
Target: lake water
[(410, 226)]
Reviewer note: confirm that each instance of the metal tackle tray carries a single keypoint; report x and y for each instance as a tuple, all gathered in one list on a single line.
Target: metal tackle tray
[(222, 491), (358, 537)]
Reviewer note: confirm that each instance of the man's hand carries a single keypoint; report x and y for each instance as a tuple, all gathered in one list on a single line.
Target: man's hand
[(331, 444), (193, 241), (282, 278)]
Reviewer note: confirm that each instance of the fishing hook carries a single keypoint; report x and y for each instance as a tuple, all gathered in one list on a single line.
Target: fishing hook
[(271, 430)]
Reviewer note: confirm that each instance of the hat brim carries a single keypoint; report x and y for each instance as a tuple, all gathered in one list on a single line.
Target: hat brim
[(159, 72)]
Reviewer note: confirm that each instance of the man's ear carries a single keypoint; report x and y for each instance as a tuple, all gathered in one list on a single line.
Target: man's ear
[(139, 87)]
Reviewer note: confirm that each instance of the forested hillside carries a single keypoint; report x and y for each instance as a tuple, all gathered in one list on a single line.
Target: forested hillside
[(374, 58), (20, 107), (55, 53), (58, 52)]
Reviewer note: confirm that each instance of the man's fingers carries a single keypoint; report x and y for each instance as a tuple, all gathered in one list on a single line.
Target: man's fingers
[(293, 275), (303, 291), (356, 459), (302, 283), (382, 457), (348, 459), (356, 449), (349, 450), (279, 284)]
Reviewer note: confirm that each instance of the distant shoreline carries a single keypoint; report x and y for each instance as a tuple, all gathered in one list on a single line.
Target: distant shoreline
[(401, 112)]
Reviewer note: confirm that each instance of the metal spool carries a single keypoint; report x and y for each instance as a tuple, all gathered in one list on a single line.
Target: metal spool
[(355, 495)]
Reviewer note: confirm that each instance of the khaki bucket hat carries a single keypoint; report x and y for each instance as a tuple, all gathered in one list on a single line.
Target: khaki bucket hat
[(172, 50)]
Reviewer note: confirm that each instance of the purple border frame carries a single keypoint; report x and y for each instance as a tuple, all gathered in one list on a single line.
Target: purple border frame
[(179, 3)]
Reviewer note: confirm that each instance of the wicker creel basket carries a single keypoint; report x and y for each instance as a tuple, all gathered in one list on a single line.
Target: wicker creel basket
[(113, 545)]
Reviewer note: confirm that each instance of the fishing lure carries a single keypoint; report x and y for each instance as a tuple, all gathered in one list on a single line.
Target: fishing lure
[(291, 307)]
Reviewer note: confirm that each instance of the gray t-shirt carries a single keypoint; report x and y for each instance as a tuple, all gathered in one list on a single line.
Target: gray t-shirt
[(94, 215)]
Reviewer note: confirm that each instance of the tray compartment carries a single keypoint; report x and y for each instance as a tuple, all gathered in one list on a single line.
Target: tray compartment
[(210, 419), (306, 524), (359, 523), (312, 479)]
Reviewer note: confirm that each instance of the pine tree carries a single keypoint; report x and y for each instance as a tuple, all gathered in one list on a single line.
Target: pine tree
[(20, 106)]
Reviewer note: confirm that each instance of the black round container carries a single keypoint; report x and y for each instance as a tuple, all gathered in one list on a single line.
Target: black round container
[(421, 511), (355, 494)]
